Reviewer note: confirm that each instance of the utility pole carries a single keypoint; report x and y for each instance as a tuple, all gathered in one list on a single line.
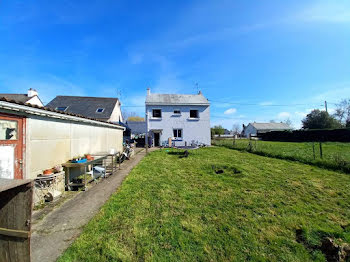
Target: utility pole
[(146, 136), (325, 106)]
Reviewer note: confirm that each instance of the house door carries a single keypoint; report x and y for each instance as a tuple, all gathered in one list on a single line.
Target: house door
[(11, 147), (156, 139)]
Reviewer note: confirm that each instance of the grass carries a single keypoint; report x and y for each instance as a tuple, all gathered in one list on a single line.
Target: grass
[(336, 156), (218, 205)]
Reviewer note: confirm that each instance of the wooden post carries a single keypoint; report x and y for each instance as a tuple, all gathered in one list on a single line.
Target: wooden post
[(313, 149), (321, 153)]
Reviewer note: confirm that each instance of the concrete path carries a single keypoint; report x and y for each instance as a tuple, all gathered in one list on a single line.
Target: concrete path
[(57, 230)]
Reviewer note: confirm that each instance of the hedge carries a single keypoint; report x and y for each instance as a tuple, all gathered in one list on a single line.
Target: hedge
[(316, 135)]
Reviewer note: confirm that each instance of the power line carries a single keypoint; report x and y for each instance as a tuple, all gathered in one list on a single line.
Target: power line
[(254, 104)]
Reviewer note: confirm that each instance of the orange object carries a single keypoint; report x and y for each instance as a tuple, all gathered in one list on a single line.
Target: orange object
[(48, 172)]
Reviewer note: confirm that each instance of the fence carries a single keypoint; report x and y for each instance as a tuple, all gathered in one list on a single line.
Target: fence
[(331, 155)]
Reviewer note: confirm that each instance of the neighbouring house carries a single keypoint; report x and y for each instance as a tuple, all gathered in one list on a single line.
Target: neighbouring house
[(32, 97), (34, 138), (183, 118), (253, 129), (102, 108)]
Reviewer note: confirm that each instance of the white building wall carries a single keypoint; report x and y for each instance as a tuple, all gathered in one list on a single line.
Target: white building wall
[(51, 142), (197, 130), (116, 115)]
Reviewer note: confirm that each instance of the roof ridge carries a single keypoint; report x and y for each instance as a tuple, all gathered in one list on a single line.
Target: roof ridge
[(89, 97)]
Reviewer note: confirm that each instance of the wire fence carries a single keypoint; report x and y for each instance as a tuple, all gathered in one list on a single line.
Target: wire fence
[(331, 155)]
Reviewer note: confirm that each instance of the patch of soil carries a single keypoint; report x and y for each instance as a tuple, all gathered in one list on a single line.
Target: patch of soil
[(225, 170)]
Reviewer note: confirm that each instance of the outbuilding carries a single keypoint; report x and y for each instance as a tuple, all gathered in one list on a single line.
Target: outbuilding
[(34, 138)]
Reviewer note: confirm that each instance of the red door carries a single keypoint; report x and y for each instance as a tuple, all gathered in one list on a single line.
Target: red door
[(11, 146)]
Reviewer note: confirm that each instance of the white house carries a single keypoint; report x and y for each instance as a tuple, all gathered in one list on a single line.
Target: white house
[(253, 129), (184, 118)]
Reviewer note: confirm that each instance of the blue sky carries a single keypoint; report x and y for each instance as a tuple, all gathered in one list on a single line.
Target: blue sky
[(254, 60)]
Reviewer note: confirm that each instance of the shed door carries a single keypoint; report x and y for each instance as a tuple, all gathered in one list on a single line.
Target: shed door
[(11, 147)]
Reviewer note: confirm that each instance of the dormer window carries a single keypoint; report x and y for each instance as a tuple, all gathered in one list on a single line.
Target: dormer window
[(62, 108), (100, 110)]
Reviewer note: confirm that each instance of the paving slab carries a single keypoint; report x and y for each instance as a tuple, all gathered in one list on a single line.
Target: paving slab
[(54, 233)]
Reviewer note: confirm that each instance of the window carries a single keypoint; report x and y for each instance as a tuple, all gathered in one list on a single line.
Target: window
[(177, 133), (177, 112), (194, 114), (100, 110), (8, 130), (156, 113), (62, 108)]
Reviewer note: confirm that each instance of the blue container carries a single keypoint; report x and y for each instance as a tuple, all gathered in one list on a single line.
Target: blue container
[(84, 160)]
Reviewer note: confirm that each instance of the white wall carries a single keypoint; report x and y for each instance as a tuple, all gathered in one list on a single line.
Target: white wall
[(116, 114), (50, 142), (35, 101)]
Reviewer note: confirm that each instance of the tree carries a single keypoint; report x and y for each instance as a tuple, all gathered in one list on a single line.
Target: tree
[(135, 119), (236, 129), (288, 122), (217, 130), (320, 120), (342, 112)]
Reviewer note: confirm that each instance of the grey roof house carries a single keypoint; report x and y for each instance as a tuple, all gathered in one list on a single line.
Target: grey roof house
[(183, 118), (101, 108), (31, 97), (253, 129)]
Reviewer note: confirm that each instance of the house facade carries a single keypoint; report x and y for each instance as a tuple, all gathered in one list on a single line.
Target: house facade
[(183, 118), (102, 108), (253, 129)]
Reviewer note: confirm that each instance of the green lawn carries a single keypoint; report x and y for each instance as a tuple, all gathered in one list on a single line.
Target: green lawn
[(218, 205), (335, 155)]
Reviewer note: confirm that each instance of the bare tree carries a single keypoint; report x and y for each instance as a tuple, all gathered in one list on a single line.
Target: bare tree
[(342, 112), (236, 129)]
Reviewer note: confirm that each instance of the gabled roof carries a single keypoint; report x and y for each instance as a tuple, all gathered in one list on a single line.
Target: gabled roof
[(174, 99), (271, 126), (86, 106), (23, 98)]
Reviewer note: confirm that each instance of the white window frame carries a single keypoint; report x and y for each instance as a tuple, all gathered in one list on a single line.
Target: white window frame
[(177, 131), (100, 112), (155, 117)]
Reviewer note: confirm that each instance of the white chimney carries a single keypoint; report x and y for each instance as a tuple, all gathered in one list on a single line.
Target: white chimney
[(32, 92), (148, 91)]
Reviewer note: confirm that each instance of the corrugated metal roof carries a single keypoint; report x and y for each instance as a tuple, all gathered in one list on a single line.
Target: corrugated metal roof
[(17, 97), (85, 106), (175, 99), (271, 126)]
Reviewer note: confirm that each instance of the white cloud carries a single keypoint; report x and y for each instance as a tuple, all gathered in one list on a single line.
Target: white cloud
[(230, 111), (283, 115), (326, 12)]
